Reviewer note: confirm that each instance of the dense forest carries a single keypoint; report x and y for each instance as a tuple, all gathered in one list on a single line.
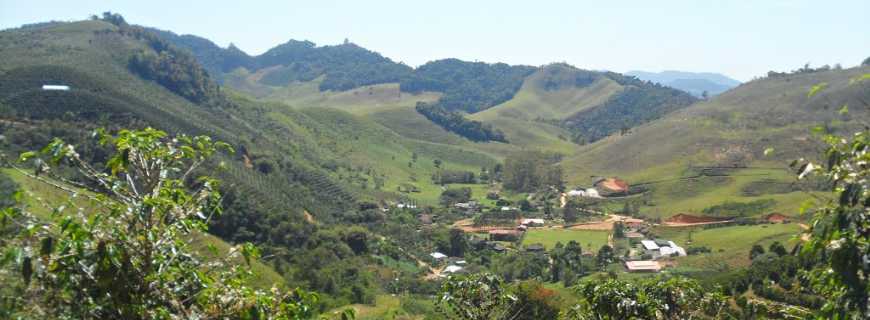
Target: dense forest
[(467, 86), (456, 123), (638, 103)]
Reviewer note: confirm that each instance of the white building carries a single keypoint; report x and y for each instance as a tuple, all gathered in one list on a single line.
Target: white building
[(438, 255), (452, 269), (533, 222), (54, 87), (649, 245)]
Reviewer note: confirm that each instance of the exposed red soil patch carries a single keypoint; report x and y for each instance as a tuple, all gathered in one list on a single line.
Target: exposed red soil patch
[(777, 218), (614, 185), (687, 218)]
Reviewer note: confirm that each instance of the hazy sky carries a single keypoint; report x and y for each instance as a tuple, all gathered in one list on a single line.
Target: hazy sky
[(741, 39)]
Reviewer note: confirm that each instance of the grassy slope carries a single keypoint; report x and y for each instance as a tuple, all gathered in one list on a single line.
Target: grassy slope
[(729, 245), (375, 151), (40, 199), (740, 123), (362, 100), (522, 118)]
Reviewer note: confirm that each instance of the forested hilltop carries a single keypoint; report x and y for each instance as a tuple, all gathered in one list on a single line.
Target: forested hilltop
[(148, 175)]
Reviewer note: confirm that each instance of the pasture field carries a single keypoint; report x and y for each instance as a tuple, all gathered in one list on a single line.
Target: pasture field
[(590, 240), (729, 245)]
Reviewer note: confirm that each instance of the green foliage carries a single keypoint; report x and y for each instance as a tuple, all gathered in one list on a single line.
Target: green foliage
[(345, 66), (175, 69), (8, 191), (567, 263), (652, 298), (443, 177), (838, 234), (637, 104), (534, 301), (740, 209), (467, 86), (452, 196), (452, 121), (475, 297), (531, 171), (128, 257)]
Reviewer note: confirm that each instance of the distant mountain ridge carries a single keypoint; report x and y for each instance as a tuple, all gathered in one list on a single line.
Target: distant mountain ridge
[(692, 82)]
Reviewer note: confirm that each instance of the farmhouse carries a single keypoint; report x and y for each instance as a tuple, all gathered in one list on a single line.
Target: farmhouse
[(504, 235), (452, 269), (662, 248), (643, 266), (533, 222)]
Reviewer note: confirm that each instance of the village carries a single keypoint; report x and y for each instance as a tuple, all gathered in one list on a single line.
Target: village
[(632, 242)]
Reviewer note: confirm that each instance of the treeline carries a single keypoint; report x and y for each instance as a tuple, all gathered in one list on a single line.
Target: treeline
[(532, 171), (638, 103), (456, 123), (173, 68), (213, 58), (467, 86), (345, 66)]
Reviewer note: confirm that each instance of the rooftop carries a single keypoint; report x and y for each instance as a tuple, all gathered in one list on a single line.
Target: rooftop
[(644, 265), (649, 245)]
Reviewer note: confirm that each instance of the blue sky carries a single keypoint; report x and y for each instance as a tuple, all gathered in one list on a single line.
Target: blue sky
[(741, 39)]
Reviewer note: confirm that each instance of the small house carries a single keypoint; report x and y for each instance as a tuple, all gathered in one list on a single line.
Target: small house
[(643, 266), (533, 222), (438, 256)]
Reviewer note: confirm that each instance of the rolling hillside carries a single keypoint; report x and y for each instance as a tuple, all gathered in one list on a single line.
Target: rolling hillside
[(731, 130), (560, 106)]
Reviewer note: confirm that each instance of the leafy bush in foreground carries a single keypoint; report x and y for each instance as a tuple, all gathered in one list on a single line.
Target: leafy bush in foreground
[(128, 256)]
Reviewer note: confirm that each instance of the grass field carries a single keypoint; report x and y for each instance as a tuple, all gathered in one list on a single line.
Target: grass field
[(590, 240), (729, 245)]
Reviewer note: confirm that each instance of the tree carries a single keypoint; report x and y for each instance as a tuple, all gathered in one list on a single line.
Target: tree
[(654, 298), (452, 196), (838, 237), (705, 95), (534, 301), (128, 256), (618, 230), (756, 250), (605, 256), (777, 248), (458, 243), (475, 297), (866, 62)]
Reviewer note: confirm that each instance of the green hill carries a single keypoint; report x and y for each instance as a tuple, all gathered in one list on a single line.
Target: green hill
[(730, 131), (298, 179)]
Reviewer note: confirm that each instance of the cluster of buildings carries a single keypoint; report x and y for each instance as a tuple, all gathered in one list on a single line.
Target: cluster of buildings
[(601, 188), (650, 251), (454, 265)]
